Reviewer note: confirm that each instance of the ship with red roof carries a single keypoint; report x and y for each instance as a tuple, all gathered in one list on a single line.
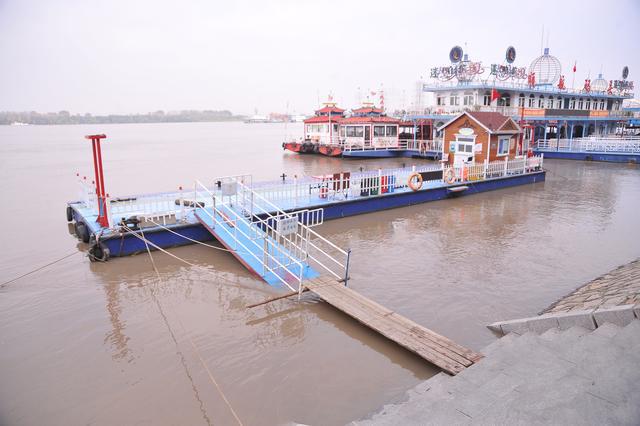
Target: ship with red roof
[(366, 132)]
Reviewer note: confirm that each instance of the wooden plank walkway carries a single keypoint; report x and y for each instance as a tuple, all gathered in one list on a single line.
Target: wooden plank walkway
[(425, 343)]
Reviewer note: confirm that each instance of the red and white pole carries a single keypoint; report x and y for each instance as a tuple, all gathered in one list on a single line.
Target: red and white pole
[(103, 216)]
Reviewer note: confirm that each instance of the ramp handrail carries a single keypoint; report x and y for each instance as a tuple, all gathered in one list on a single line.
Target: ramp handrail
[(268, 249), (317, 254)]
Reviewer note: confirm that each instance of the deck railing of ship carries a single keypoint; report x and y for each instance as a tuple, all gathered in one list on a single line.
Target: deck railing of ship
[(626, 144), (284, 253), (300, 193), (420, 145)]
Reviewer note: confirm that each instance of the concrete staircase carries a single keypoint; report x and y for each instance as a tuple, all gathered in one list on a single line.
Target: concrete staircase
[(573, 376)]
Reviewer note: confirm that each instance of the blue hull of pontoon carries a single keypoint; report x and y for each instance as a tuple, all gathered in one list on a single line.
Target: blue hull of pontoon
[(129, 244), (611, 157)]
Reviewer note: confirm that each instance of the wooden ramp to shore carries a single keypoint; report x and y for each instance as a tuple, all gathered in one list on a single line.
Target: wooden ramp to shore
[(425, 343)]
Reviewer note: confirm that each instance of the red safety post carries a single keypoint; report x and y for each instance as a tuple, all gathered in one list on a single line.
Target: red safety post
[(103, 220)]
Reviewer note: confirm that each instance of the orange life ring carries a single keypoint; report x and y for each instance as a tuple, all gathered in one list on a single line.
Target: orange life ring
[(415, 185), (449, 175)]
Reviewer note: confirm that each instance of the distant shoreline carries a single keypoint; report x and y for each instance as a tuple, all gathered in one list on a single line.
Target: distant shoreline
[(64, 117)]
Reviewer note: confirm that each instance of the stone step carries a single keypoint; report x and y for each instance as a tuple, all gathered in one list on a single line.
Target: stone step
[(499, 343), (500, 359), (550, 334), (562, 338), (607, 330), (629, 336)]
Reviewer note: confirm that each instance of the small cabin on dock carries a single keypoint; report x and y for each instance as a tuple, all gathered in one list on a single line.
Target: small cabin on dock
[(323, 128), (473, 137)]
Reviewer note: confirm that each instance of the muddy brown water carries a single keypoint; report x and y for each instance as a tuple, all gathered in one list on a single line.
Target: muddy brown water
[(84, 343)]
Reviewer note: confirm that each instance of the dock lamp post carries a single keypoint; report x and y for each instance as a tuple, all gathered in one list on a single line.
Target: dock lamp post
[(103, 218)]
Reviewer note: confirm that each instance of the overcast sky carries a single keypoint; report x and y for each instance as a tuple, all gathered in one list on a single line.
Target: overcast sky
[(145, 55)]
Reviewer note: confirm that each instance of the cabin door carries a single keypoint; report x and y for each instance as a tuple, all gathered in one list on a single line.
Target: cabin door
[(367, 135), (464, 151)]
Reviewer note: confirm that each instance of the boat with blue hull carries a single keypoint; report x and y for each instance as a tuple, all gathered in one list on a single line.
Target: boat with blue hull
[(614, 149), (172, 219)]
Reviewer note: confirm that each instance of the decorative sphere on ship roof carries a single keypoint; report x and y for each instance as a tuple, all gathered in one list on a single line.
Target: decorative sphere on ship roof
[(546, 67), (599, 84)]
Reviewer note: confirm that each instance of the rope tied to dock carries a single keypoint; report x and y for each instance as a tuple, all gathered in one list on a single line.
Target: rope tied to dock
[(40, 268), (166, 321)]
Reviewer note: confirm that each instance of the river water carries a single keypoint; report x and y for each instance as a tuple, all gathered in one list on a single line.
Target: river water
[(85, 343)]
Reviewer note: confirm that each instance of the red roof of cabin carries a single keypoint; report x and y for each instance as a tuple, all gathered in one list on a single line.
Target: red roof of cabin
[(329, 109), (491, 120), (367, 110), (323, 119)]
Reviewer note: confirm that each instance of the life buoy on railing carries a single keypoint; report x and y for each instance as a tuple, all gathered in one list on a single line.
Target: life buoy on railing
[(449, 175), (417, 184)]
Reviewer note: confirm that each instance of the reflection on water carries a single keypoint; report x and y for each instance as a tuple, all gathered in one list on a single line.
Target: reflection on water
[(111, 343)]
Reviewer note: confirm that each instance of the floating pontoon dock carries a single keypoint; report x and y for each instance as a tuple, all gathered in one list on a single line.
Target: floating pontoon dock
[(614, 149), (169, 218)]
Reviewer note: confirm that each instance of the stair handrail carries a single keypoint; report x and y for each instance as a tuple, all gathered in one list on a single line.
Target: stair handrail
[(213, 217)]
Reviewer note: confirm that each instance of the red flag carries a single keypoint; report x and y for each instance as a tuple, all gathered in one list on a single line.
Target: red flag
[(574, 66), (494, 95)]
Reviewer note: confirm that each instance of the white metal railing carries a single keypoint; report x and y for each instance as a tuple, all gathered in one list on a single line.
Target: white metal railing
[(88, 194), (626, 144), (497, 169), (421, 145), (324, 254), (280, 242)]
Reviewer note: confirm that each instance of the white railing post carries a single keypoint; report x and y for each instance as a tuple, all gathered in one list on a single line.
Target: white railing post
[(506, 165), (379, 181), (107, 206), (295, 189)]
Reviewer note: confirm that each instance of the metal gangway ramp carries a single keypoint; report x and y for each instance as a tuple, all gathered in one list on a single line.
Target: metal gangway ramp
[(284, 251)]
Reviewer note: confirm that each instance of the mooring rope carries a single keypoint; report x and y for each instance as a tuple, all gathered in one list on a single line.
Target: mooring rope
[(213, 380), (194, 241), (40, 268)]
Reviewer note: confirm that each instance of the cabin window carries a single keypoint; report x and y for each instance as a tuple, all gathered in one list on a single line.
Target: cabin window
[(532, 101), (355, 131), (486, 100), (595, 104), (572, 103), (342, 131), (392, 130), (464, 144), (521, 100), (468, 100), (580, 103), (440, 100), (602, 104), (378, 130), (587, 104), (503, 146), (550, 102), (541, 102), (454, 100), (559, 103)]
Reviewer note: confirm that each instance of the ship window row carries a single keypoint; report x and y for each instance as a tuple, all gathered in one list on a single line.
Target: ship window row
[(378, 131), (318, 128), (533, 101)]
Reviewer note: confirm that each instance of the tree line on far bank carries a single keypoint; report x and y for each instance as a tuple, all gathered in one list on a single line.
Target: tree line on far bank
[(64, 117)]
